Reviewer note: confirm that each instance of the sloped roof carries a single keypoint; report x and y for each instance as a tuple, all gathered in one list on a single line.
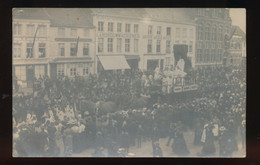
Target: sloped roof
[(124, 12), (73, 17), (238, 31), (30, 13), (77, 17), (175, 15)]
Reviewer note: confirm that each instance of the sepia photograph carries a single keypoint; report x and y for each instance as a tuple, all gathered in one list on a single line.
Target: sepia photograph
[(129, 82)]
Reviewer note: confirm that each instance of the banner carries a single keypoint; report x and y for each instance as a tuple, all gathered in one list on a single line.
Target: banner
[(177, 89)]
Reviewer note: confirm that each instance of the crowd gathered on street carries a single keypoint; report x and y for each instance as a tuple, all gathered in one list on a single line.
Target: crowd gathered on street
[(114, 111)]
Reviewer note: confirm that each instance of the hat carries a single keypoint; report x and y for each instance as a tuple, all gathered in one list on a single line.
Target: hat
[(222, 128)]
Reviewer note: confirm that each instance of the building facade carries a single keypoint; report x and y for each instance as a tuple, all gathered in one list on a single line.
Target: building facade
[(31, 49), (144, 37), (117, 36), (72, 43), (161, 30), (212, 26), (237, 47)]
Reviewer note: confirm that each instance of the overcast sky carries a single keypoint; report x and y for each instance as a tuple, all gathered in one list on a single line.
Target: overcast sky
[(238, 16)]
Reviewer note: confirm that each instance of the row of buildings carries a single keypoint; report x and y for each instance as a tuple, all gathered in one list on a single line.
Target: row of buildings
[(73, 42)]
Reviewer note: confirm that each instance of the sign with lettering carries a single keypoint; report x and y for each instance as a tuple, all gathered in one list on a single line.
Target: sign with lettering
[(177, 89), (118, 35), (185, 88), (73, 39)]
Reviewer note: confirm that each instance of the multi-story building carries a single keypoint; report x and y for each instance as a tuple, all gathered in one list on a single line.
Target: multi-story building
[(161, 29), (143, 37), (212, 26), (117, 37), (237, 47), (72, 43), (30, 45)]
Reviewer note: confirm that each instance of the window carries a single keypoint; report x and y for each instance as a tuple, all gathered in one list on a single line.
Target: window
[(168, 46), (42, 30), (200, 12), (207, 55), (110, 44), (61, 32), (85, 49), (100, 26), (29, 52), (100, 44), (20, 73), (30, 30), (220, 35), (158, 46), (73, 49), (60, 69), (207, 32), (214, 33), (213, 56), (191, 33), (178, 32), (159, 29), (39, 71), (86, 32), (184, 33), (119, 25), (119, 45), (73, 32), (135, 28), (136, 45), (110, 27), (149, 46), (200, 32), (127, 28), (17, 29), (73, 70), (127, 45), (168, 31), (168, 61), (42, 50), (150, 30), (61, 51), (190, 46), (85, 70), (17, 50)]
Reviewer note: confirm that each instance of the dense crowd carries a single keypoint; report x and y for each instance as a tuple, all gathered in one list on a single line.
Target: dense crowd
[(117, 114)]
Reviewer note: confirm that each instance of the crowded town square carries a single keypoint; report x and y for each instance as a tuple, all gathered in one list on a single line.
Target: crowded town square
[(117, 114)]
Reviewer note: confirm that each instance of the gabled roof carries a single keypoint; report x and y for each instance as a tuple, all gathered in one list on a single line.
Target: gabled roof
[(238, 31)]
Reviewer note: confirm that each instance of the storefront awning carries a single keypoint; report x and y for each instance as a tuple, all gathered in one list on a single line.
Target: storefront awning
[(113, 62)]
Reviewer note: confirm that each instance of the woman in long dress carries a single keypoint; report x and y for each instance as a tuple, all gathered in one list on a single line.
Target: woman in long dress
[(179, 146)]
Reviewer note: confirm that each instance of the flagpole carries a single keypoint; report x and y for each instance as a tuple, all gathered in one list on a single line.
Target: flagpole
[(34, 40)]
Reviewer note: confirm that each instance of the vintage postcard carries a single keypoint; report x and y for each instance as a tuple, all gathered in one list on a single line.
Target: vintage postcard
[(129, 82)]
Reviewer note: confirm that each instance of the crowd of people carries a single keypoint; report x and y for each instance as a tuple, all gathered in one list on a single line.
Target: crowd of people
[(52, 121)]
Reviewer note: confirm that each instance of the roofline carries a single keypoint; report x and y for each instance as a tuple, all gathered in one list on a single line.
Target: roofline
[(91, 27)]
